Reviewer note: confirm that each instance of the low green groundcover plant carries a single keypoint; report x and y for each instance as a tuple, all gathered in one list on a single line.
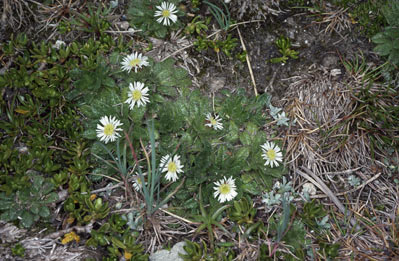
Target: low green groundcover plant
[(85, 113)]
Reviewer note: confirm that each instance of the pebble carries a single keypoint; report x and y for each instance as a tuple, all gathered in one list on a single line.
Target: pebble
[(172, 255)]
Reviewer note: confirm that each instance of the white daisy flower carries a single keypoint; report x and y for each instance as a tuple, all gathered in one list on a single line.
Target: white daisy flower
[(134, 61), (137, 95), (272, 154), (225, 189), (214, 122), (166, 11), (309, 188), (108, 131), (137, 183), (171, 166)]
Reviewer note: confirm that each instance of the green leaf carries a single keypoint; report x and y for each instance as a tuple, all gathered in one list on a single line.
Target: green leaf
[(109, 82), (35, 208), (186, 138), (251, 188), (118, 243), (233, 131), (137, 114), (379, 38), (7, 216), (37, 182), (392, 32), (161, 33), (52, 197), (27, 219), (394, 57), (5, 203), (242, 154), (97, 149), (165, 90), (395, 43), (157, 98), (383, 49), (139, 133), (252, 129), (90, 134), (114, 57), (44, 211), (276, 172), (245, 138)]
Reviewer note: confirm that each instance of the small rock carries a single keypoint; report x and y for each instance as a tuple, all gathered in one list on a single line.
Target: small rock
[(172, 255), (124, 25), (335, 72)]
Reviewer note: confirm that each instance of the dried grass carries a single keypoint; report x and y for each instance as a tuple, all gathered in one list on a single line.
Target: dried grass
[(329, 140), (337, 20), (13, 14), (255, 9), (318, 103)]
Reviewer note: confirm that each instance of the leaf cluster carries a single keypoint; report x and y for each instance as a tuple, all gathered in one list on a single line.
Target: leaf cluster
[(226, 45), (208, 221), (222, 16), (243, 211), (234, 151), (115, 237), (163, 79), (311, 213), (388, 40), (84, 209), (93, 22), (284, 47), (36, 81), (199, 252), (30, 204)]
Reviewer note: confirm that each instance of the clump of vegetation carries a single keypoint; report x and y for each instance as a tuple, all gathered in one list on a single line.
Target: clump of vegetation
[(387, 41), (284, 47)]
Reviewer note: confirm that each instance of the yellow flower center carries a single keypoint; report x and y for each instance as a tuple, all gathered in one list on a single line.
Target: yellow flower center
[(172, 167), (109, 129), (134, 62), (165, 13), (139, 181), (213, 121), (136, 94), (224, 189), (271, 154)]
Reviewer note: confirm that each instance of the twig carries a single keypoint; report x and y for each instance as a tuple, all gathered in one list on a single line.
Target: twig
[(248, 62), (107, 188), (178, 217), (78, 229), (105, 176), (323, 187), (345, 172), (351, 190), (6, 66), (122, 32)]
